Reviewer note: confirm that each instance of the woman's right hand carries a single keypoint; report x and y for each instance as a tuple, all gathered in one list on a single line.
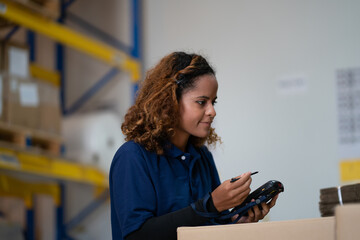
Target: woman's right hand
[(230, 194)]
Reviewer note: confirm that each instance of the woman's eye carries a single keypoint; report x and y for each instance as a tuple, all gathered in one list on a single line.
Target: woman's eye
[(214, 102), (201, 102)]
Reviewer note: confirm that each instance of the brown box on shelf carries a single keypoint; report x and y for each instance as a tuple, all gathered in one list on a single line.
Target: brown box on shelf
[(14, 59), (4, 23), (46, 8), (20, 102), (50, 113), (26, 101), (4, 103), (24, 104)]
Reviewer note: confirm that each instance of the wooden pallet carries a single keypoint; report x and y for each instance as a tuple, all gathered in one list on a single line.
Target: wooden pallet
[(47, 8), (12, 136), (4, 23)]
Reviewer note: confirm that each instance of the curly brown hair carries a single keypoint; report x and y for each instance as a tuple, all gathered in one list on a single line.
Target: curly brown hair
[(151, 121)]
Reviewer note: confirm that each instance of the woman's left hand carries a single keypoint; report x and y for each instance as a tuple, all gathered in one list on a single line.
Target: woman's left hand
[(255, 214)]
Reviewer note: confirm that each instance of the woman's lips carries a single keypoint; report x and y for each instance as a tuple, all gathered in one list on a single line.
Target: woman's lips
[(206, 123)]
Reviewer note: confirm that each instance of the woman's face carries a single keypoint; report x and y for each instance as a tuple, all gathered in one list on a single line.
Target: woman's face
[(197, 107)]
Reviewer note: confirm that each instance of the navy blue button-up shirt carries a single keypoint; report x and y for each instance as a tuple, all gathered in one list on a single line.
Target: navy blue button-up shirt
[(144, 184)]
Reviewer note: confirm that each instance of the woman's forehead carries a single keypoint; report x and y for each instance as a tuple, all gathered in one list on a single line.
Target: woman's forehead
[(205, 85)]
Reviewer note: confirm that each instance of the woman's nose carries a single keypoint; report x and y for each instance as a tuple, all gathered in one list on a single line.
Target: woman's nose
[(211, 111)]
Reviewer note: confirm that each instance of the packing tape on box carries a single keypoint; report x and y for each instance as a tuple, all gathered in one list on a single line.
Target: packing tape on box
[(340, 195)]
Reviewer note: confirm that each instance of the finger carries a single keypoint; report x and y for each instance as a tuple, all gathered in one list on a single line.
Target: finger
[(251, 215), (242, 179), (257, 213), (244, 187), (273, 201), (240, 193), (244, 219), (240, 196), (265, 209), (233, 218)]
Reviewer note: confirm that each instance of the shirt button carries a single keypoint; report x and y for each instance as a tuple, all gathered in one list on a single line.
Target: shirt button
[(183, 157)]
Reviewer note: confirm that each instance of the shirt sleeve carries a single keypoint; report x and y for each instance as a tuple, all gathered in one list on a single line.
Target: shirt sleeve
[(164, 227), (133, 193)]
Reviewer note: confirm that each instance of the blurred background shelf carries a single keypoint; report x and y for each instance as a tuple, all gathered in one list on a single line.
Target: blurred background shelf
[(56, 168), (56, 195), (69, 37)]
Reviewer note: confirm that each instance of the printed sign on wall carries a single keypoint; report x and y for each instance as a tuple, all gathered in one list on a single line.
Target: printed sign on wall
[(348, 96)]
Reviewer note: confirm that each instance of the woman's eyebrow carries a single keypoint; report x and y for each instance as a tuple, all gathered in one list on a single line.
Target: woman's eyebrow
[(206, 97)]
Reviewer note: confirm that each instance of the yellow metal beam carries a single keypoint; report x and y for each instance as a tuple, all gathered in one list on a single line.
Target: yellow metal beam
[(70, 38), (45, 74), (350, 170), (22, 161), (13, 187)]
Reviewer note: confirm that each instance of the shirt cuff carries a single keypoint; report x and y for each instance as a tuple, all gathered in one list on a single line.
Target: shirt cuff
[(210, 205)]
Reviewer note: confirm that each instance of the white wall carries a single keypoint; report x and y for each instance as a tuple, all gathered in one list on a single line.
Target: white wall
[(253, 44)]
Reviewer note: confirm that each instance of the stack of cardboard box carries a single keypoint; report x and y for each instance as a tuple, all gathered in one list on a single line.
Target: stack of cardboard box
[(46, 8), (331, 197), (26, 101), (21, 106), (50, 112)]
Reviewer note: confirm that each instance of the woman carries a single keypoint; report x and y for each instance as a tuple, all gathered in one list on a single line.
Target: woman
[(164, 176)]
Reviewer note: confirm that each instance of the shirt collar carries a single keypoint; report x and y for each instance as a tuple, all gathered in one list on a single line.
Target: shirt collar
[(172, 151), (193, 152)]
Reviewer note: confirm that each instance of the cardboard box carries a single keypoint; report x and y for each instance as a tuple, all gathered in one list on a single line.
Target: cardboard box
[(30, 103), (14, 62), (20, 103), (3, 98), (24, 103), (14, 59), (310, 229), (344, 226), (348, 222), (46, 8), (50, 112)]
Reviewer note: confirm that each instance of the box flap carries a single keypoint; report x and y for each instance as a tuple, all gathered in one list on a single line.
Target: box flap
[(317, 228)]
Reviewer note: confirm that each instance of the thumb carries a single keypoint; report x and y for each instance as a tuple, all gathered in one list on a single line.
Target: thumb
[(233, 218)]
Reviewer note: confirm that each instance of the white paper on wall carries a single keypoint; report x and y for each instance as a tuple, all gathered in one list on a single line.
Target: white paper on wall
[(18, 62), (29, 96), (3, 8), (348, 102)]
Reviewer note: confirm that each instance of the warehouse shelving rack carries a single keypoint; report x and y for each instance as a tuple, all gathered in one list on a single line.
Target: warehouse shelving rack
[(15, 161)]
